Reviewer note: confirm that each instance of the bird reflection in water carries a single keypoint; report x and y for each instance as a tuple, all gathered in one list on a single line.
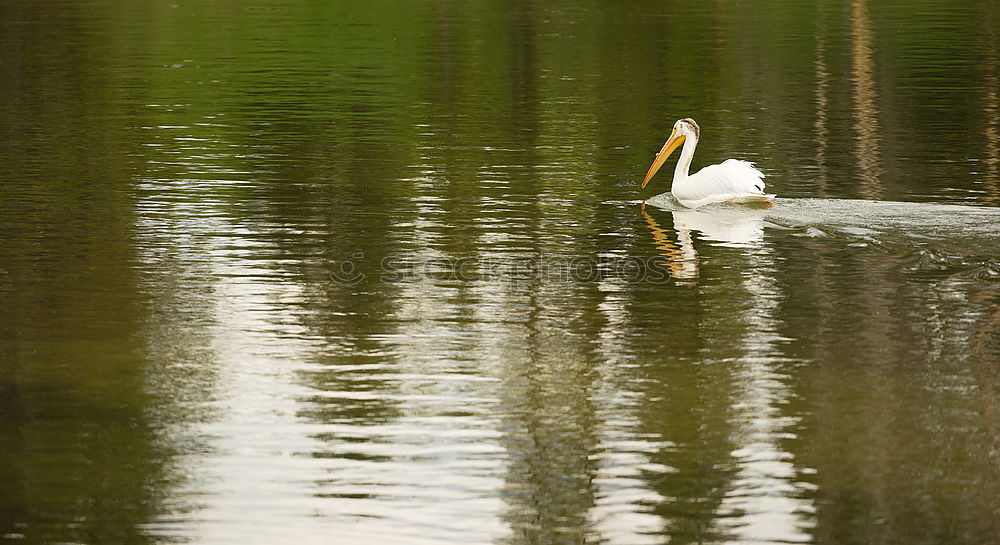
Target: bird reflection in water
[(682, 260), (727, 226)]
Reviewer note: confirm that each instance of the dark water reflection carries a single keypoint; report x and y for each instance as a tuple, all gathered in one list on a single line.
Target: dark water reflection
[(297, 272)]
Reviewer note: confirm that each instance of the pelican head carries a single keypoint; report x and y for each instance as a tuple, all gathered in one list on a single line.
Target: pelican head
[(683, 129)]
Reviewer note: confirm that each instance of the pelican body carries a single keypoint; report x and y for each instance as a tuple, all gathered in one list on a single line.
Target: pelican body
[(732, 181)]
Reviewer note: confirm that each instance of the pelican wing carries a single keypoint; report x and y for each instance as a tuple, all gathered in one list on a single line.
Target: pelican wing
[(733, 180)]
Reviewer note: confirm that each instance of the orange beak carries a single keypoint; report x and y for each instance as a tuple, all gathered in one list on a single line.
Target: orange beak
[(672, 143)]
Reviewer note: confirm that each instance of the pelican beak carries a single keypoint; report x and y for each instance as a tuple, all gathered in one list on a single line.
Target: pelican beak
[(672, 143)]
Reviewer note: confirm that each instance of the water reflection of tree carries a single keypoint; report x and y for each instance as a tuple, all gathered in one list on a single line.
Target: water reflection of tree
[(991, 115), (421, 149), (888, 384), (548, 435), (867, 128), (822, 75), (85, 442), (757, 496), (548, 424)]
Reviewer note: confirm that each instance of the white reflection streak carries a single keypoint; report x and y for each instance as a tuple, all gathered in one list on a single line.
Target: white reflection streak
[(251, 485), (765, 503), (622, 491), (436, 465), (262, 485)]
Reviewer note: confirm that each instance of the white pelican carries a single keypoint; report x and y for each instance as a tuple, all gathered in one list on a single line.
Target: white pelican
[(733, 181)]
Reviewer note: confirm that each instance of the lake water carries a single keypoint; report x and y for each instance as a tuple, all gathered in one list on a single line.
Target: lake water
[(382, 272)]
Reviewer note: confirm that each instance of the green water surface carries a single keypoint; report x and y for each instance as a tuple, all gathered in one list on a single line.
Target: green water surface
[(381, 272)]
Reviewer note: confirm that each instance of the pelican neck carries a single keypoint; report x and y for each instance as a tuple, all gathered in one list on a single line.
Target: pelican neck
[(684, 162)]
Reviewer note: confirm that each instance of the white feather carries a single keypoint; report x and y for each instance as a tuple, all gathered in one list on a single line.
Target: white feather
[(731, 181)]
